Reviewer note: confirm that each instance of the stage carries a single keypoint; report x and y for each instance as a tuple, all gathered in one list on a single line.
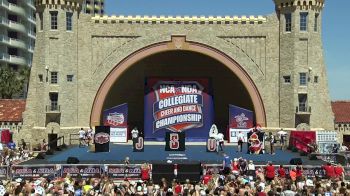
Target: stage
[(154, 152)]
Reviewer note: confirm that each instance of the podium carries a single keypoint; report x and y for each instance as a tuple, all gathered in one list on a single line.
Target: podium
[(102, 138)]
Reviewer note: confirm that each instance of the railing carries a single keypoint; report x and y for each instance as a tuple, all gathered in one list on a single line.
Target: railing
[(303, 109), (18, 60), (17, 9), (31, 19), (74, 138), (4, 56), (4, 38), (5, 3), (53, 108), (4, 21), (17, 25), (31, 4), (32, 34), (13, 126)]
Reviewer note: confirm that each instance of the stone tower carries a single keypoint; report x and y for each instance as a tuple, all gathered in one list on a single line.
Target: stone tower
[(303, 80), (57, 32)]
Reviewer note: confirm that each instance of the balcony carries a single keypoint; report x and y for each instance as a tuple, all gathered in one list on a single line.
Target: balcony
[(30, 3), (303, 109), (31, 19), (53, 109), (16, 9), (4, 21), (17, 43), (4, 3), (18, 60), (31, 34), (4, 57), (31, 49), (17, 26)]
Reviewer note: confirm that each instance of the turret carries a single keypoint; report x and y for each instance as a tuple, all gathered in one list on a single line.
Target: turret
[(304, 91), (54, 71)]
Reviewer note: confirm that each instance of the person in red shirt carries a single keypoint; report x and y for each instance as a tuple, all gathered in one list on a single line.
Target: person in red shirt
[(145, 172), (270, 172), (329, 169), (178, 188), (339, 172), (281, 172), (299, 172), (235, 167), (206, 178)]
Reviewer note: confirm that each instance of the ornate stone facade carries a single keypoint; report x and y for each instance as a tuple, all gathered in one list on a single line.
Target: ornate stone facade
[(277, 62)]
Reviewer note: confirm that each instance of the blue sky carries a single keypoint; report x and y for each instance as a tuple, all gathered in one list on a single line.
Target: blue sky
[(336, 28)]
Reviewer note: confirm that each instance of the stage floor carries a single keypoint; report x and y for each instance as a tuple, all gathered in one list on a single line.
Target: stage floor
[(157, 154)]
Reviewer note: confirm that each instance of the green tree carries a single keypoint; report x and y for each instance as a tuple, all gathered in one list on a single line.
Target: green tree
[(12, 82)]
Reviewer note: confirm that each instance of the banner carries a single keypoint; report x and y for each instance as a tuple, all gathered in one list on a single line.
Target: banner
[(102, 138), (84, 171), (234, 135), (19, 171), (302, 140), (175, 141), (178, 105), (3, 172), (240, 118), (123, 171), (116, 116), (119, 135), (256, 142)]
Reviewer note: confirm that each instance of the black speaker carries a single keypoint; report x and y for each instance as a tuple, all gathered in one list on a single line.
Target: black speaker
[(72, 160), (41, 155), (160, 171), (296, 161), (312, 157), (52, 140)]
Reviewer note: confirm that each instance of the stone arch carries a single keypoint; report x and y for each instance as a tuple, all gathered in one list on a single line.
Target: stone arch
[(177, 43)]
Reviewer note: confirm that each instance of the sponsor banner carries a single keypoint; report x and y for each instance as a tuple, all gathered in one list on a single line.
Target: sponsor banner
[(116, 116), (3, 172), (234, 133), (84, 171), (123, 171), (27, 171), (119, 135), (308, 171), (178, 105), (240, 118)]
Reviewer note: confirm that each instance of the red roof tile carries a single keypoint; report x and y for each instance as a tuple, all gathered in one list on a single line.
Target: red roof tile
[(341, 110), (11, 110)]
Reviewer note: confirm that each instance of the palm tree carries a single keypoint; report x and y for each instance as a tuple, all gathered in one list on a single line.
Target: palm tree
[(11, 82)]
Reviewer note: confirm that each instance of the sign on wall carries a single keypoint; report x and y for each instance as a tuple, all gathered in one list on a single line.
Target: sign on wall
[(177, 105)]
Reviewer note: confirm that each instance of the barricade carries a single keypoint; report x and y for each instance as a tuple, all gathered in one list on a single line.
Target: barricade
[(121, 171)]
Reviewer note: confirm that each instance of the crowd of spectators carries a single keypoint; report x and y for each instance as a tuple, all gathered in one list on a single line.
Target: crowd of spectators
[(240, 177), (11, 153)]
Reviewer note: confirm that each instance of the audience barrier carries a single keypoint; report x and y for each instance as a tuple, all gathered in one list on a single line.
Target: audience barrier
[(121, 171)]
